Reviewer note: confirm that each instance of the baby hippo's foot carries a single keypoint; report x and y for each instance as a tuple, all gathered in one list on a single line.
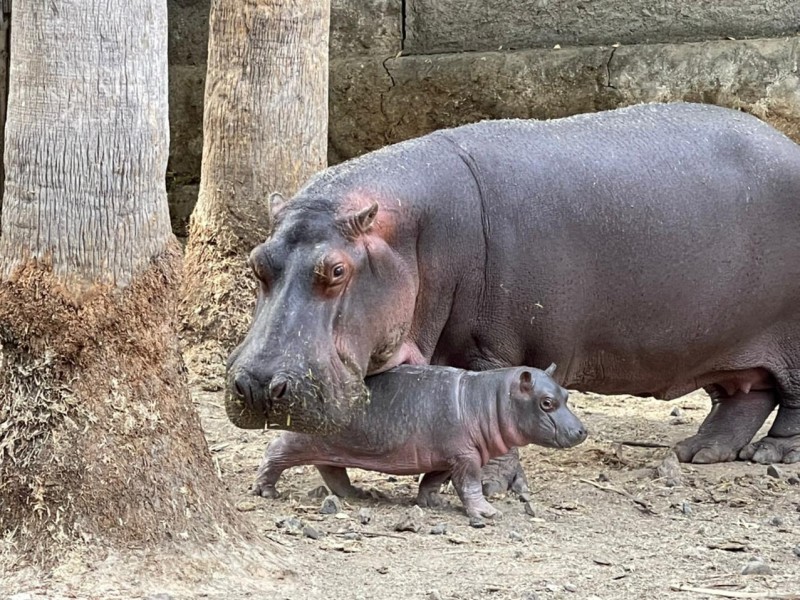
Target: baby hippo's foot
[(772, 449), (264, 489), (429, 499), (481, 508)]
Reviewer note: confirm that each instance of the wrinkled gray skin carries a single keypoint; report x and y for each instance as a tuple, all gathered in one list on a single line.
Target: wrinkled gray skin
[(651, 250), (444, 422)]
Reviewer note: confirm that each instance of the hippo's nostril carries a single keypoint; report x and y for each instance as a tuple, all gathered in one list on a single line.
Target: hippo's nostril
[(278, 387), (241, 384)]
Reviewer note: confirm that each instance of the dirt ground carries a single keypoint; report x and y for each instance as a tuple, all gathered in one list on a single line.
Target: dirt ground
[(603, 525)]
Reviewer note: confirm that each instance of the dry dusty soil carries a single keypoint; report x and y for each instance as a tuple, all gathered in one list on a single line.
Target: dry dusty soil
[(601, 524)]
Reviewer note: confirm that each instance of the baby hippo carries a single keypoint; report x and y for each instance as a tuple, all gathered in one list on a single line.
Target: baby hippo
[(441, 421)]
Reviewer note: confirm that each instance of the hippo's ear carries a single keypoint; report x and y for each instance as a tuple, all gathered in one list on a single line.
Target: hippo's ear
[(275, 202), (359, 223), (551, 369), (525, 382)]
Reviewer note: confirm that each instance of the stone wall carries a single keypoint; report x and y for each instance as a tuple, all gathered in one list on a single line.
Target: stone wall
[(400, 69)]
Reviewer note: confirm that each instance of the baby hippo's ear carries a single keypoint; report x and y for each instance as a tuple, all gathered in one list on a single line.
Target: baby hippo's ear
[(551, 369), (526, 382)]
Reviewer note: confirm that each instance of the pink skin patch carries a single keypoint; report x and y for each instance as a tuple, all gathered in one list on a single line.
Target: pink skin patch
[(408, 354)]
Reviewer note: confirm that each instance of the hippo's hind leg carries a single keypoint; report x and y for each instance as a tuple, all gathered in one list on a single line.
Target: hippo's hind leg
[(733, 421), (505, 473), (338, 482), (429, 487), (466, 475), (782, 443)]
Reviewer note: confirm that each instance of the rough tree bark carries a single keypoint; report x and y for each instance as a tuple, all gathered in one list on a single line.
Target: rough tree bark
[(265, 130), (100, 445)]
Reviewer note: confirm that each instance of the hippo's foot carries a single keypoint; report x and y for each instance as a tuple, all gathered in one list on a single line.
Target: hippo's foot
[(481, 508), (771, 449), (338, 483), (504, 473), (729, 427), (265, 490), (428, 495)]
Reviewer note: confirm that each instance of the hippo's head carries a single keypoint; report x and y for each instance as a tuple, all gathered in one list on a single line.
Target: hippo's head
[(539, 410), (335, 303)]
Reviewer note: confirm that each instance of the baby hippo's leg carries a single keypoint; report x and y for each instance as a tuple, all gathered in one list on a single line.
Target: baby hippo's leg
[(338, 482), (282, 453), (466, 476), (428, 495)]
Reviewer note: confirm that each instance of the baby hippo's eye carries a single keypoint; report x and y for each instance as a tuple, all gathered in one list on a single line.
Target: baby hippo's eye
[(547, 404), (338, 271)]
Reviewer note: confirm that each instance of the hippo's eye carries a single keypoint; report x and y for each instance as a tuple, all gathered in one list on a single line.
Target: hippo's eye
[(337, 272), (547, 404)]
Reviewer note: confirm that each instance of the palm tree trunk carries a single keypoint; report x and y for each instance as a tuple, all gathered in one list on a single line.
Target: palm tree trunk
[(99, 440), (265, 130)]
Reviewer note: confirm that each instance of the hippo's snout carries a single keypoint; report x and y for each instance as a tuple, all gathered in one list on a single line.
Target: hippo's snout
[(572, 436), (569, 429)]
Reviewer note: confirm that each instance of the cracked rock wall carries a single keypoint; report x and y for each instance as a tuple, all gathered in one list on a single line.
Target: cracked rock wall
[(402, 68)]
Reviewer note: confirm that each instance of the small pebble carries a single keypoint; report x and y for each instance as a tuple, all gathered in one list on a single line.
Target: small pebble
[(686, 508), (602, 477), (670, 470), (291, 525), (439, 529), (756, 567), (552, 587), (515, 535), (311, 532), (331, 505), (796, 550), (352, 535), (434, 595), (365, 515), (532, 596), (319, 492), (382, 570), (676, 412), (793, 481), (773, 471), (533, 511), (476, 522), (570, 588), (776, 521), (411, 521)]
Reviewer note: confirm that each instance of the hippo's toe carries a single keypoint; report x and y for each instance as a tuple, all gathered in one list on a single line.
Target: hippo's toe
[(706, 449), (770, 449), (265, 490)]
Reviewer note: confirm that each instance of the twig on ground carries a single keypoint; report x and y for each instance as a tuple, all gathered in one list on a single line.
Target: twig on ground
[(636, 444), (375, 534), (734, 594), (638, 502)]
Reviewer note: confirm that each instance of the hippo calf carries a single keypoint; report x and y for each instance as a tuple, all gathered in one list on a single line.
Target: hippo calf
[(441, 421)]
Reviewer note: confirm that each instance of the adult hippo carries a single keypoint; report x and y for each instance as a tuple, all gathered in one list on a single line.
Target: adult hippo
[(651, 250)]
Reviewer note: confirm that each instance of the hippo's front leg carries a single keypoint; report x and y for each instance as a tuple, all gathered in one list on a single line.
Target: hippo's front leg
[(466, 476), (279, 456), (729, 427), (504, 473)]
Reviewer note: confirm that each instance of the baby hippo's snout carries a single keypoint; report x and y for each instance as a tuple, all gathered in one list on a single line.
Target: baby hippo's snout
[(569, 429)]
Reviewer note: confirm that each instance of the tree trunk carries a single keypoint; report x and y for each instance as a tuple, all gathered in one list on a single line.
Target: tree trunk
[(99, 442), (265, 130)]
